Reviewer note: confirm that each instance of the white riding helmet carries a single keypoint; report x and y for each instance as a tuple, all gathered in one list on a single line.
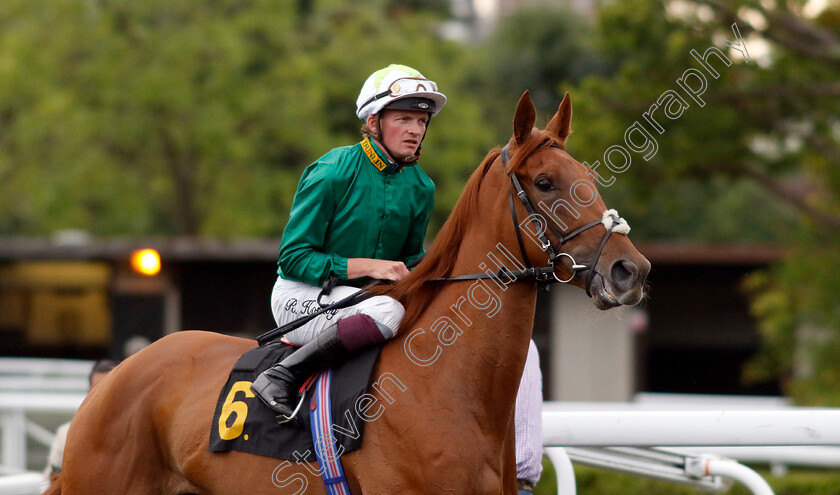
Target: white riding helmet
[(398, 83)]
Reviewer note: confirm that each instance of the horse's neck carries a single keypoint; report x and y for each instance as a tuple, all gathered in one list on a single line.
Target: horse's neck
[(483, 366), (503, 309)]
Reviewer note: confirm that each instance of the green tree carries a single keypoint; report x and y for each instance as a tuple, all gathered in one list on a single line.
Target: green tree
[(755, 162), (544, 50), (175, 117)]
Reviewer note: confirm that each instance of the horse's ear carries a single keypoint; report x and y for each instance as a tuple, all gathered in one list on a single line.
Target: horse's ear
[(524, 119), (560, 124)]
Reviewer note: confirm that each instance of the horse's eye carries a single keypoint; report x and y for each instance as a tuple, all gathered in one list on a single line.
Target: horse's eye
[(544, 185)]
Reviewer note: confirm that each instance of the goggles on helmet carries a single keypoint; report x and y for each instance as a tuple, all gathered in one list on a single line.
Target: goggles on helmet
[(395, 83), (405, 86)]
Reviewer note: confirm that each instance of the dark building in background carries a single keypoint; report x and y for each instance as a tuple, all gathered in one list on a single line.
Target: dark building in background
[(82, 299)]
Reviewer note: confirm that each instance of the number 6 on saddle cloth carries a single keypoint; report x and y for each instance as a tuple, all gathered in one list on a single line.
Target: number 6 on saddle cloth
[(243, 423)]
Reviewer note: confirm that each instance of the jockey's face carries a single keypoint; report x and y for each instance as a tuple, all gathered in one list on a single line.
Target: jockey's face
[(403, 130)]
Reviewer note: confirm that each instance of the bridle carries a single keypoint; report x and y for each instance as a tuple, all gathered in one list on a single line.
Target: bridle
[(610, 219), (545, 244), (545, 275)]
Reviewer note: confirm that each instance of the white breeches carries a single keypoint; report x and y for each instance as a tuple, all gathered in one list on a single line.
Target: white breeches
[(291, 300)]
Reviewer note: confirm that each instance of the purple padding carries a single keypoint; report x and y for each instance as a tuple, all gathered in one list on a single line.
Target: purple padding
[(359, 331)]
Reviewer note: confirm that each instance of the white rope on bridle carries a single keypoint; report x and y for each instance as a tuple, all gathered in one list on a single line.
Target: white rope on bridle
[(614, 223)]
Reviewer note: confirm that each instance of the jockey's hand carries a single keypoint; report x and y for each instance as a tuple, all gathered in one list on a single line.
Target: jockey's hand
[(378, 269)]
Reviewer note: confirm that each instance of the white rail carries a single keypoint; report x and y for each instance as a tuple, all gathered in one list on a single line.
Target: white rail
[(691, 428), (673, 444), (36, 395), (21, 484), (44, 375), (632, 441), (18, 423), (701, 467)]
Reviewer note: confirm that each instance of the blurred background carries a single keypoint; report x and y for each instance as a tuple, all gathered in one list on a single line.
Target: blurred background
[(184, 126)]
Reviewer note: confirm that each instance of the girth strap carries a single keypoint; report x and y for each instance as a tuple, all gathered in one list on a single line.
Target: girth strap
[(329, 460)]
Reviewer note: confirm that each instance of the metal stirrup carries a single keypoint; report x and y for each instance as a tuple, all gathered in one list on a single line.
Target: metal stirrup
[(282, 419)]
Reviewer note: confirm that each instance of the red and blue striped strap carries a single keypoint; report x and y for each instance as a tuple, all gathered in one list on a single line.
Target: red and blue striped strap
[(320, 416)]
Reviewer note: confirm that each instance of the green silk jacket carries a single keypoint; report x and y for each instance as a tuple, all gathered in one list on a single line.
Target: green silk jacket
[(354, 203)]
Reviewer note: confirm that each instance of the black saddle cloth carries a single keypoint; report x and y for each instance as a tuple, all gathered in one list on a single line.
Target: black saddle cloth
[(243, 423)]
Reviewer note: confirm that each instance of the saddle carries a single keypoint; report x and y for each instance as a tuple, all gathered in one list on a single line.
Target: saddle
[(241, 421)]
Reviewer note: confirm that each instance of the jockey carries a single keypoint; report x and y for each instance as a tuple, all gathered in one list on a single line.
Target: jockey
[(360, 212)]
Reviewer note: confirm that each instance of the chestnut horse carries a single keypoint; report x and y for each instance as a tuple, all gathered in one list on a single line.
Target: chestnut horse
[(439, 417)]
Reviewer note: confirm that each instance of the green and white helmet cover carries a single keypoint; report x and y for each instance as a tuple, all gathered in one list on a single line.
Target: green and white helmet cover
[(394, 83)]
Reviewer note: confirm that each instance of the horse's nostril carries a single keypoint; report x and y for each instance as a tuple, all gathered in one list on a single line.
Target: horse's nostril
[(623, 274)]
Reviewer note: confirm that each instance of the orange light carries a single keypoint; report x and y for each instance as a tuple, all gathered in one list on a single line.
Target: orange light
[(146, 261)]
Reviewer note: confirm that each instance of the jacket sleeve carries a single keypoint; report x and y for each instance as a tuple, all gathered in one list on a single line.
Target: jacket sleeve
[(302, 255)]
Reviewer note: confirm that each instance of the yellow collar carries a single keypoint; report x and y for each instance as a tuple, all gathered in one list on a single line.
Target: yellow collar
[(373, 156)]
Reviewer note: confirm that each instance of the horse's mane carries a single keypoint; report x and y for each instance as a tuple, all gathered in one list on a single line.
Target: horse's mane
[(412, 291)]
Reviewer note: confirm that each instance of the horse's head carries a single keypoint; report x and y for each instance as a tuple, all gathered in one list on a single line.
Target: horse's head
[(566, 217)]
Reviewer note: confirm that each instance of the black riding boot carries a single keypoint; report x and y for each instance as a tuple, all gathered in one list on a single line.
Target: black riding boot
[(278, 386)]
